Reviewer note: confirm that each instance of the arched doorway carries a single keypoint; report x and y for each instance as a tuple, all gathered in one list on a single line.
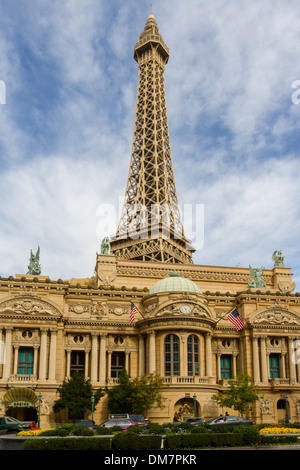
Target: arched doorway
[(185, 408), (21, 403), (282, 410)]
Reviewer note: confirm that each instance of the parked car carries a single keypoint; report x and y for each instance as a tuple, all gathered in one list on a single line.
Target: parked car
[(13, 424), (138, 419), (195, 421), (229, 421), (124, 423), (86, 422)]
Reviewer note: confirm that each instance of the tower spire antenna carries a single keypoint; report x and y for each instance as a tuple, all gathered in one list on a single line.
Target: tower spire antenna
[(150, 227)]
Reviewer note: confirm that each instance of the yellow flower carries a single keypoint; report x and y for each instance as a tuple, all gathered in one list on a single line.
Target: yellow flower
[(279, 430), (33, 432)]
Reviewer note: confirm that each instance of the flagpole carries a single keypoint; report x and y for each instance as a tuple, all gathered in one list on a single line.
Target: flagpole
[(225, 315), (139, 311)]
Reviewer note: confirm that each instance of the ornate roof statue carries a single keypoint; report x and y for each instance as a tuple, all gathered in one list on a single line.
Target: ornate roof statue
[(278, 259), (34, 263), (256, 275), (105, 246)]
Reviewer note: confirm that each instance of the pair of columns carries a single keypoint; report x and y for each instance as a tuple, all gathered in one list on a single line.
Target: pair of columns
[(260, 356)]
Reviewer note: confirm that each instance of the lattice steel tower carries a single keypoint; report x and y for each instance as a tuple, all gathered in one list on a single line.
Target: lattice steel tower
[(150, 226)]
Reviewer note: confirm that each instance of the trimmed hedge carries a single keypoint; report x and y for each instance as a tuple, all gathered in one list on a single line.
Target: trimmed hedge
[(182, 441), (68, 443), (131, 441)]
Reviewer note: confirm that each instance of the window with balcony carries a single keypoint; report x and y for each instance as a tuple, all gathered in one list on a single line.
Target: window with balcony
[(117, 363), (172, 355), (193, 355), (226, 366), (274, 366), (25, 366)]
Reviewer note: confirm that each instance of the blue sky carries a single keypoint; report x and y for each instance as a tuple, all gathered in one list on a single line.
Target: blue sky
[(67, 124)]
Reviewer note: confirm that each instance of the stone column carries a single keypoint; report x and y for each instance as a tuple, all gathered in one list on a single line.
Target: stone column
[(7, 363), (141, 355), (291, 362), (102, 359), (218, 366), (16, 359), (127, 366), (152, 354), (43, 354), (263, 358), (68, 371), (86, 365), (208, 357), (35, 360), (109, 364), (255, 358), (52, 355), (234, 366), (183, 355), (94, 357)]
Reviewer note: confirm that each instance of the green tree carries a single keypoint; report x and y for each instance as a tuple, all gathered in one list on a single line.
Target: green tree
[(119, 396), (136, 395), (75, 394), (240, 393)]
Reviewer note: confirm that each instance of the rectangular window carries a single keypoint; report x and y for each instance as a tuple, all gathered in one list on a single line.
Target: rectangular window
[(77, 361), (117, 363), (25, 365), (274, 366), (225, 367)]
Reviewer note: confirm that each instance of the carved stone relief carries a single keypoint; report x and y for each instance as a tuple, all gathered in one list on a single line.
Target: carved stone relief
[(28, 304)]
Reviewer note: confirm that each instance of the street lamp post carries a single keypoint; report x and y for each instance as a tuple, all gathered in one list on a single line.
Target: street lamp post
[(195, 405), (93, 402), (39, 410), (287, 418)]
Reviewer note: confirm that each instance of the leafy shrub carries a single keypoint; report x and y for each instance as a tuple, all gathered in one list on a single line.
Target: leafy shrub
[(203, 440), (152, 428), (82, 430), (198, 429), (250, 435), (270, 440), (131, 441), (68, 443)]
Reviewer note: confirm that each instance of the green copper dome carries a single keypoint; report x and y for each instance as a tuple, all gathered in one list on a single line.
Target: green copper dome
[(174, 283)]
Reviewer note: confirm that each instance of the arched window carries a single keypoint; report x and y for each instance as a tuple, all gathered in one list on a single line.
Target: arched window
[(172, 355), (193, 355)]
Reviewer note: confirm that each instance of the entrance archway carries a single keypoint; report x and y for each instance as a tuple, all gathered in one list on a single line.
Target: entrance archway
[(20, 403), (185, 408)]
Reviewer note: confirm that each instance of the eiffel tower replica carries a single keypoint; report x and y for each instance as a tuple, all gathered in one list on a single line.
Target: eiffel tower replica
[(150, 226)]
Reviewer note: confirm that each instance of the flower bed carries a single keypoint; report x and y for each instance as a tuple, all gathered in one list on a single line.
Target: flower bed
[(279, 430)]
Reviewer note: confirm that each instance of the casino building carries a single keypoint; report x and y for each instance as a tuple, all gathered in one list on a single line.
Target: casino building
[(51, 328)]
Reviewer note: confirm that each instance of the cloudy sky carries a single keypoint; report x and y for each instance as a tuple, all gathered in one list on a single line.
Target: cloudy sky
[(68, 94)]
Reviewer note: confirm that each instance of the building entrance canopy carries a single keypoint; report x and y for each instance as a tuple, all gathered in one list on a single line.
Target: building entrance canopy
[(20, 397)]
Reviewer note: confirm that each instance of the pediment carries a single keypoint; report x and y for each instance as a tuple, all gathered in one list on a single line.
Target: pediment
[(275, 315), (28, 304)]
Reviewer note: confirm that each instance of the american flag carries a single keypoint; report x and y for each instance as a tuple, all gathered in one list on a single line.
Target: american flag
[(133, 311), (235, 318)]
